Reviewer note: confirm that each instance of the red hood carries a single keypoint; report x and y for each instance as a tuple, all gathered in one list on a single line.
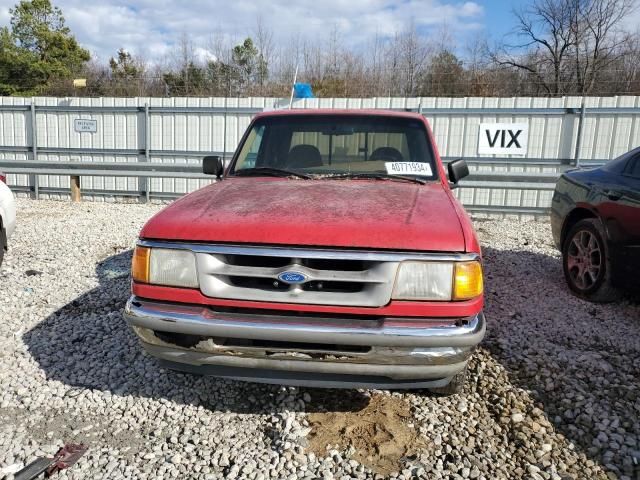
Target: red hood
[(329, 213)]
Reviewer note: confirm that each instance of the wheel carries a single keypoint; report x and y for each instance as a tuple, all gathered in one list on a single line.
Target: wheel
[(454, 387), (586, 263), (2, 244)]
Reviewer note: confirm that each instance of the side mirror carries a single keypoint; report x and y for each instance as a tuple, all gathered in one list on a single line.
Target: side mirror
[(458, 169), (213, 165)]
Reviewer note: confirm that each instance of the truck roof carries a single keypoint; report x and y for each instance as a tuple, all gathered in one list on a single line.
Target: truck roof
[(340, 111)]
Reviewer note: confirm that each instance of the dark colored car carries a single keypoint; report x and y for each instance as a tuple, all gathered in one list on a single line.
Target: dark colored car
[(595, 219)]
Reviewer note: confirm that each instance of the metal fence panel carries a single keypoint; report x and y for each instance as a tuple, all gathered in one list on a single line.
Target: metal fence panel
[(180, 131)]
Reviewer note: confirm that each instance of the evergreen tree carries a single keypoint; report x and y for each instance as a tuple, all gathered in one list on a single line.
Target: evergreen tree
[(37, 49)]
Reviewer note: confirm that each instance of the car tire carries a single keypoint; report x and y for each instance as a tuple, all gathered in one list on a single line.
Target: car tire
[(454, 387), (3, 242), (586, 262)]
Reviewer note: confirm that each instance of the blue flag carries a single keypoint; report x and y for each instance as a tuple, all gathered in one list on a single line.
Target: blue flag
[(302, 90)]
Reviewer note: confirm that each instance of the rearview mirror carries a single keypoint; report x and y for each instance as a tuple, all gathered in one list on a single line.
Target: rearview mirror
[(213, 165), (458, 169)]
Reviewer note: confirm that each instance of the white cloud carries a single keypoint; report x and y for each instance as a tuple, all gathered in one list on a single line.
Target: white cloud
[(203, 55), (152, 28)]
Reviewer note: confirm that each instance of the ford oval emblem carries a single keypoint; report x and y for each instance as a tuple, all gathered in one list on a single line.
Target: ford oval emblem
[(292, 277)]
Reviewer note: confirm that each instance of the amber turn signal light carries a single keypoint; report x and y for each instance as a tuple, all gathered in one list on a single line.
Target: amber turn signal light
[(467, 281), (140, 264)]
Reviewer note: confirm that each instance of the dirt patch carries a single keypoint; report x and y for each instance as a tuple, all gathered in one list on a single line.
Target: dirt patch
[(381, 433)]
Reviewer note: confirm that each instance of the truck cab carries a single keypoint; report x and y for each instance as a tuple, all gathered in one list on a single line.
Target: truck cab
[(331, 252)]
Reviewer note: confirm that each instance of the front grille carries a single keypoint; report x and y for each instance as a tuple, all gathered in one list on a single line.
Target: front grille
[(255, 261), (314, 263), (275, 285), (327, 281)]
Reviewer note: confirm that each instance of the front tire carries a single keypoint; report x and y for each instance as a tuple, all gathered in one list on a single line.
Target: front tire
[(3, 242), (586, 262)]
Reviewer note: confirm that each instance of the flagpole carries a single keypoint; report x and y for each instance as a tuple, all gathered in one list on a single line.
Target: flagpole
[(293, 87)]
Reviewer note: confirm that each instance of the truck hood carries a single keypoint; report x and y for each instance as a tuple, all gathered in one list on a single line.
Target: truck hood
[(372, 214)]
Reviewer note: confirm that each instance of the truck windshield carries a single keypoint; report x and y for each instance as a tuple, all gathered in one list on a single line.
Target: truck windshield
[(319, 146)]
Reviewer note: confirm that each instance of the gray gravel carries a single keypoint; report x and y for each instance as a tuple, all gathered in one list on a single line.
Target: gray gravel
[(554, 391)]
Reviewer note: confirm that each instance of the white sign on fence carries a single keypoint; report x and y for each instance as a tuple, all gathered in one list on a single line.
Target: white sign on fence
[(503, 138), (83, 125)]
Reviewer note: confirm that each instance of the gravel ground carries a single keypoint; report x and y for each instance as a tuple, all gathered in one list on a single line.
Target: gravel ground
[(554, 390)]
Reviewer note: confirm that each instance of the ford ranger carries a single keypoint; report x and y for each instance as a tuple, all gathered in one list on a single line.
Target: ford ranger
[(331, 252)]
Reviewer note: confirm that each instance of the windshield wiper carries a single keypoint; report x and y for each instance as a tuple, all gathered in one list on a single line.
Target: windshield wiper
[(269, 171), (378, 175)]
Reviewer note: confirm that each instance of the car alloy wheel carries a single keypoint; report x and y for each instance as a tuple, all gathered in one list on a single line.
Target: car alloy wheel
[(584, 259)]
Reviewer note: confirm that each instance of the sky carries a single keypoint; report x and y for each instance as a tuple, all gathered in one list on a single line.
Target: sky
[(153, 28)]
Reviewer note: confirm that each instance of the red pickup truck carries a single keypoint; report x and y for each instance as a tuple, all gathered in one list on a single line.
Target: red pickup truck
[(331, 252)]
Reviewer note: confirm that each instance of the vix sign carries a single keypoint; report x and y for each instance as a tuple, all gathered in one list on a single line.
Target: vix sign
[(503, 138)]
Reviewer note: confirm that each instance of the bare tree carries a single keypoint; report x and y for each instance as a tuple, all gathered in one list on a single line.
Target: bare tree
[(627, 68), (266, 51), (548, 33), (566, 44), (291, 55), (375, 55), (313, 61), (600, 41), (220, 46), (183, 57), (355, 83), (334, 52), (477, 61), (392, 63), (411, 58), (443, 40)]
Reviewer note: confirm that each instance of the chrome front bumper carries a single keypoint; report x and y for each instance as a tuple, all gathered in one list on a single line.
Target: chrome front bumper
[(389, 357)]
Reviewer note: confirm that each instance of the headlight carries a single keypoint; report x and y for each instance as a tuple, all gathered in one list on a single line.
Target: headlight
[(162, 266), (424, 281), (443, 281)]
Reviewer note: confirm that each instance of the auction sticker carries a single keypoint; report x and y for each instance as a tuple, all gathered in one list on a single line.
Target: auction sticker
[(408, 168)]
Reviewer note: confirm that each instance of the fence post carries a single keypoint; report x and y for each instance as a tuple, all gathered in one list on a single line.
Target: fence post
[(576, 156), (33, 179), (146, 183), (224, 133), (76, 194)]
